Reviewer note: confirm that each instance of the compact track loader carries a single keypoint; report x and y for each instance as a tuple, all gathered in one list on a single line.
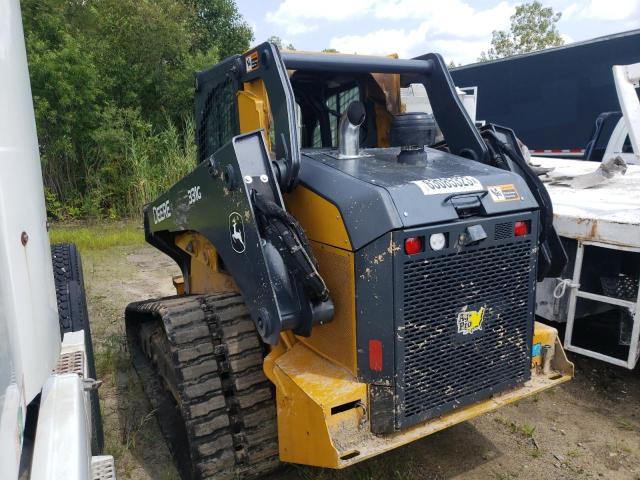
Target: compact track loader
[(347, 286)]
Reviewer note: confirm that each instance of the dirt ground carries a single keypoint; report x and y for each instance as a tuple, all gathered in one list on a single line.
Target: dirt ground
[(587, 428)]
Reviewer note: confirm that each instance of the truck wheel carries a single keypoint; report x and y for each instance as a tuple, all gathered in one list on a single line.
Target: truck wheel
[(74, 316), (200, 360)]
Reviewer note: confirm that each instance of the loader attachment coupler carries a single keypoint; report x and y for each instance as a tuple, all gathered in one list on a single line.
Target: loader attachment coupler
[(263, 248)]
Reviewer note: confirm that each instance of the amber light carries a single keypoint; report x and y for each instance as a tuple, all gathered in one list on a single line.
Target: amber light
[(521, 228), (413, 245)]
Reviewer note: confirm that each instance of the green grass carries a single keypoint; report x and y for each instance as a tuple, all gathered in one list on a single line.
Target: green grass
[(99, 236), (525, 430), (110, 357), (625, 424)]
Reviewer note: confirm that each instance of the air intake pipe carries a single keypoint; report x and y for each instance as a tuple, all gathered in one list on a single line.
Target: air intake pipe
[(349, 131)]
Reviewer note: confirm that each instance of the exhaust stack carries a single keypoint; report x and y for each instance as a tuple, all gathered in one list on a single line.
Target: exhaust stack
[(349, 131)]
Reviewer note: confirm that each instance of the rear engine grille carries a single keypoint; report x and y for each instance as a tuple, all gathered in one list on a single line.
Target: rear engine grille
[(444, 369)]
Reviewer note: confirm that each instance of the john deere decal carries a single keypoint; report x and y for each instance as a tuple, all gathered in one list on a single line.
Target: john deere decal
[(470, 321)]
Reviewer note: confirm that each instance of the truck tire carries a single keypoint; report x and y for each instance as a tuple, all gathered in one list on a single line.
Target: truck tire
[(74, 316), (200, 360)]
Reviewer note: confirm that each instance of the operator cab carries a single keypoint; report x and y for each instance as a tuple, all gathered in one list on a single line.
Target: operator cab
[(322, 99)]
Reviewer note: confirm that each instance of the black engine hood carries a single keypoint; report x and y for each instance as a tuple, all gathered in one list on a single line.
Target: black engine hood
[(375, 194)]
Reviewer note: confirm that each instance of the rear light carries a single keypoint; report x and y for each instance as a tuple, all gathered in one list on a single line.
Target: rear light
[(438, 241), (375, 355), (521, 228), (413, 245)]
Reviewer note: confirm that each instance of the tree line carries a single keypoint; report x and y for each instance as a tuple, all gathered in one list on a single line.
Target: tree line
[(112, 84), (113, 81)]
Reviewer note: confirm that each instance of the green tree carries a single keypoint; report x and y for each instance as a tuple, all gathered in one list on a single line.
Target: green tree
[(533, 27), (278, 42), (112, 84), (330, 50), (217, 23), (143, 50), (66, 88)]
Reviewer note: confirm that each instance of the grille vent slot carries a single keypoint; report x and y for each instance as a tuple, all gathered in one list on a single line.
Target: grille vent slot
[(503, 231)]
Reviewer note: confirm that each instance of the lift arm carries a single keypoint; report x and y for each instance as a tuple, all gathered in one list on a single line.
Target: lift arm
[(234, 201)]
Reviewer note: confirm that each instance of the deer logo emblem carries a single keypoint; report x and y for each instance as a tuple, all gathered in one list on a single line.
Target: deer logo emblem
[(236, 232)]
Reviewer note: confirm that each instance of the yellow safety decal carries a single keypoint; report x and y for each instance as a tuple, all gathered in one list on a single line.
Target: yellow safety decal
[(251, 61), (470, 321), (504, 193)]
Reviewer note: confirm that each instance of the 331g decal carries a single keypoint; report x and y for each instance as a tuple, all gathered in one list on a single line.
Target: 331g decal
[(194, 194)]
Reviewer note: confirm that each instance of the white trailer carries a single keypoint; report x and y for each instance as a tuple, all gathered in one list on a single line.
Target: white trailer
[(600, 227), (46, 405)]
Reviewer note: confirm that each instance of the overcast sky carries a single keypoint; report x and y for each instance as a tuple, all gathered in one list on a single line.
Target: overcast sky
[(457, 29)]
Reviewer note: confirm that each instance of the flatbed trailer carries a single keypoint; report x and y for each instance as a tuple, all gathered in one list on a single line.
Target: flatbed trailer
[(600, 228)]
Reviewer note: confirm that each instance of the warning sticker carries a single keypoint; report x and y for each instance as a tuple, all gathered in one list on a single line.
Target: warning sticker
[(251, 62), (435, 186), (504, 193)]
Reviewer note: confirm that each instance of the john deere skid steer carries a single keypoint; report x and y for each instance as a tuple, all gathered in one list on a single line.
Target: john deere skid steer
[(348, 285)]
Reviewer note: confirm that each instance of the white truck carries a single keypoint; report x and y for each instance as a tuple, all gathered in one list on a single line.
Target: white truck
[(50, 426)]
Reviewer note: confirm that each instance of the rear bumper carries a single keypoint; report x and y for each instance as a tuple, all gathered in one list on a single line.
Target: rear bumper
[(323, 412), (63, 440), (63, 447), (374, 445)]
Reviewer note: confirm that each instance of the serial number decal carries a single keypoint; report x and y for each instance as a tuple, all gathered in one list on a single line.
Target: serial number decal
[(435, 186), (504, 193), (194, 194), (161, 212)]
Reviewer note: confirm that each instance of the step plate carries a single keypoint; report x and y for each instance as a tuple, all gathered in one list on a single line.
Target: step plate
[(103, 468), (72, 362)]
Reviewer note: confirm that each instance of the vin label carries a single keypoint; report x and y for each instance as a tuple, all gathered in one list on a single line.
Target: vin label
[(436, 186)]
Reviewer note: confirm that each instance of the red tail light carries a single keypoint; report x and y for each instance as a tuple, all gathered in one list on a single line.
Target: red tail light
[(521, 228), (413, 245), (375, 355)]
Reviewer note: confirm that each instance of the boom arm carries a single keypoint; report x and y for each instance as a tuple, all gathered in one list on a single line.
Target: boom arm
[(234, 201)]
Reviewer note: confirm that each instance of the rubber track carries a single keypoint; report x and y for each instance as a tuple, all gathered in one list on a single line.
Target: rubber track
[(213, 363)]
